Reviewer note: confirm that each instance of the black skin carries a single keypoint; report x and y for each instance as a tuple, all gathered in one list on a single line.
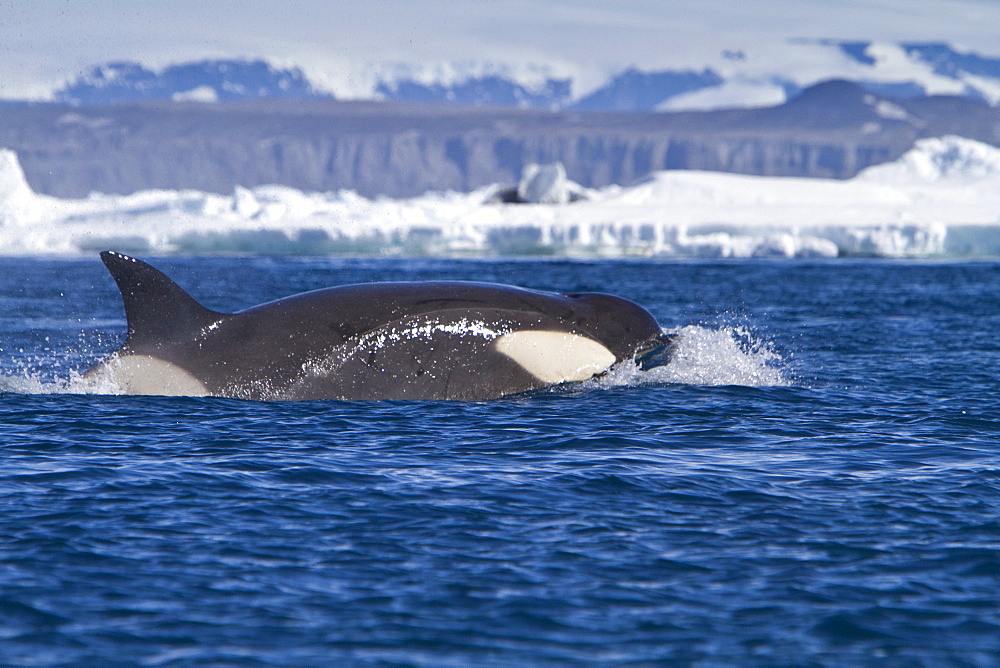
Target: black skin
[(370, 341)]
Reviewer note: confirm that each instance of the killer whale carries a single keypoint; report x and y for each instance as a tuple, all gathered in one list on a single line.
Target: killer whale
[(427, 340)]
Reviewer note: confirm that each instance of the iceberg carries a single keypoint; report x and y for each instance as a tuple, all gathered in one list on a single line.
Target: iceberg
[(544, 184), (953, 160), (940, 199)]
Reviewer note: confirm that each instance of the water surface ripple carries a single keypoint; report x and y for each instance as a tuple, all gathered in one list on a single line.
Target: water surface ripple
[(846, 516)]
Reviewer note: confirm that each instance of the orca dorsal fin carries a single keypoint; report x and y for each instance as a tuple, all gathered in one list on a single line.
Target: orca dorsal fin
[(156, 308)]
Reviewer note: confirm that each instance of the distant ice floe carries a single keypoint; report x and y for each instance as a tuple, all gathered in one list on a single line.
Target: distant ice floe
[(541, 184), (941, 199)]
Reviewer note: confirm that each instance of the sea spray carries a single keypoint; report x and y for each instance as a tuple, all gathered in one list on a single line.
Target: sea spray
[(728, 355)]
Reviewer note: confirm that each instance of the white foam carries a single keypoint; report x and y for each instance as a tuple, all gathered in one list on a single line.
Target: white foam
[(942, 198), (55, 370), (708, 356), (41, 382)]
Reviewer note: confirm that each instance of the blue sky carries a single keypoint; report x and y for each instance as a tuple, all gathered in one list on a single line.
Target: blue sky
[(46, 42)]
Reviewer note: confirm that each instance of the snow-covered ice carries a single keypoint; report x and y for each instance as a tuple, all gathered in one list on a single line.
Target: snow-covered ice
[(941, 199)]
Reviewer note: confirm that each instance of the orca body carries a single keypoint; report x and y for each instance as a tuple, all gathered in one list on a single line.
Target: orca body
[(436, 340)]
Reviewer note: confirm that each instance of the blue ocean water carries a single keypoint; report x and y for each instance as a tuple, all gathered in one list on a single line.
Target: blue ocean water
[(815, 480)]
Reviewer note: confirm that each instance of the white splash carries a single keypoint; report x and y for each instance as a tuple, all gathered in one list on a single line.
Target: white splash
[(708, 357), (42, 382)]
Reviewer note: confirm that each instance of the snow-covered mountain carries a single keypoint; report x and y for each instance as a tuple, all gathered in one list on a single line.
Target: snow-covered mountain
[(634, 90), (484, 91), (203, 81), (468, 83), (764, 76)]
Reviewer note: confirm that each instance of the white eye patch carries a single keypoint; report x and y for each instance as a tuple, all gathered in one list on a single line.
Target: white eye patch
[(555, 357)]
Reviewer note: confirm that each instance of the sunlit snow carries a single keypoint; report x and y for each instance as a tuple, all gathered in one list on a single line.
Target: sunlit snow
[(942, 198)]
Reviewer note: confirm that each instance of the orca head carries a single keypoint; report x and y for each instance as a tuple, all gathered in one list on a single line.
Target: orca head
[(622, 326)]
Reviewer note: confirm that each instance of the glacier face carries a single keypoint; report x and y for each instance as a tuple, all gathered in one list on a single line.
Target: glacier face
[(940, 199)]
